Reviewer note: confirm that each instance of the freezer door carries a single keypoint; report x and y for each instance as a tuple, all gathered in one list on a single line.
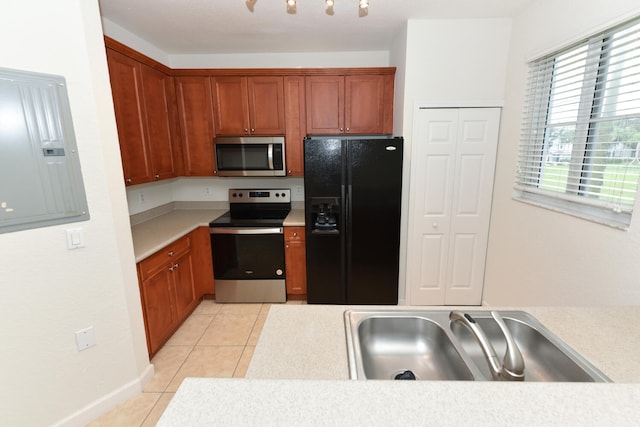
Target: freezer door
[(374, 186), (323, 185)]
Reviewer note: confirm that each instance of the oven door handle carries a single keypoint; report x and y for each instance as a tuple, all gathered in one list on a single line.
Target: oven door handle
[(245, 230)]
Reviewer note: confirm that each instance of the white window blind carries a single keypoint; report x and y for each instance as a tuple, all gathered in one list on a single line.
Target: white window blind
[(580, 146)]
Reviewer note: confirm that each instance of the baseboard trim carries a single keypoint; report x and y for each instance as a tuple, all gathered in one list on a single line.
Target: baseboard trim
[(106, 403)]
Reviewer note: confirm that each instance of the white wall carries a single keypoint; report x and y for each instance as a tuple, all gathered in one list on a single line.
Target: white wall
[(254, 60), (536, 256), (447, 63), (46, 291)]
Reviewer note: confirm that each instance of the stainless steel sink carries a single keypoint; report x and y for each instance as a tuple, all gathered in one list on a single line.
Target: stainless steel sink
[(390, 346), (385, 344)]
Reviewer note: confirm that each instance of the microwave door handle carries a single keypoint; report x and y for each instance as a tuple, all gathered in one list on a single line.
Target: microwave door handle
[(270, 156)]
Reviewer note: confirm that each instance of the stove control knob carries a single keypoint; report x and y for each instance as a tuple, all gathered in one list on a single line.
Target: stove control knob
[(234, 195), (279, 272), (277, 194)]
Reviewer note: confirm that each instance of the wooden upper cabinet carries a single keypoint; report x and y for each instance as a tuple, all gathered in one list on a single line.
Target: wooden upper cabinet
[(126, 87), (295, 124), (144, 104), (325, 104), (249, 105), (368, 104), (355, 104), (161, 115), (195, 113)]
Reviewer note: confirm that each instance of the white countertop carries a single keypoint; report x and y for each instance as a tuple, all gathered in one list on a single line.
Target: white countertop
[(299, 376)]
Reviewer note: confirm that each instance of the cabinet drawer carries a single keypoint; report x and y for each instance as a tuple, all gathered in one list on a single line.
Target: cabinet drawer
[(165, 255), (294, 233)]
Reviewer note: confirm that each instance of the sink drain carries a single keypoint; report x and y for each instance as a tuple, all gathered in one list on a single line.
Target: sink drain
[(405, 375)]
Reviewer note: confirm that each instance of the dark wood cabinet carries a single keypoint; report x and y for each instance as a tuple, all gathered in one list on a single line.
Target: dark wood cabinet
[(128, 102), (325, 105), (295, 124), (203, 263), (162, 127), (144, 106), (349, 104), (167, 289), (295, 262), (195, 112), (249, 105)]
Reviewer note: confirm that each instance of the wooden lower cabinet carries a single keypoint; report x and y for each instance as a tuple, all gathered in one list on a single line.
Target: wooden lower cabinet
[(168, 288), (295, 262)]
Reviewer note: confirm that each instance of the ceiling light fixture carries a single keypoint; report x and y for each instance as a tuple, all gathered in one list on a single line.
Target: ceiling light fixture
[(329, 10), (291, 6), (363, 8)]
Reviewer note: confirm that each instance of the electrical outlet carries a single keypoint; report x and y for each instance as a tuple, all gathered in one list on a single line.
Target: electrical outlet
[(208, 191), (141, 198), (85, 338)]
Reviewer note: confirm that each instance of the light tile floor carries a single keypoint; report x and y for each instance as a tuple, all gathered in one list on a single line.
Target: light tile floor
[(217, 340)]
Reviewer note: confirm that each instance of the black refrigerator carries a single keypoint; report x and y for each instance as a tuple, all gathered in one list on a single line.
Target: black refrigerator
[(352, 188)]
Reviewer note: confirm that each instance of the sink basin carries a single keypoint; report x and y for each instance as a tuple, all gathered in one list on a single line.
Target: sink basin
[(390, 346), (546, 357), (384, 344)]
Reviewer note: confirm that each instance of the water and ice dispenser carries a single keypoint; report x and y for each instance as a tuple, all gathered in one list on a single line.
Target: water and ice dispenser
[(325, 215)]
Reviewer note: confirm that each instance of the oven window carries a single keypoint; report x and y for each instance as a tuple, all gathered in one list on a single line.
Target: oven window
[(242, 157), (247, 256)]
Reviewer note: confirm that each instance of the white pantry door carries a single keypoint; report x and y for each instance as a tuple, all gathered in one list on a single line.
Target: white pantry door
[(452, 170)]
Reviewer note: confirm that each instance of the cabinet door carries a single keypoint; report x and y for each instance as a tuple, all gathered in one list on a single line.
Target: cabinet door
[(230, 105), (185, 296), (295, 124), (365, 104), (159, 96), (325, 105), (126, 88), (202, 262), (196, 125), (266, 105), (295, 261), (160, 317)]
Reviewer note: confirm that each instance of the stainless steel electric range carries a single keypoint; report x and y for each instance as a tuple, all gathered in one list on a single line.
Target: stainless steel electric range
[(248, 246)]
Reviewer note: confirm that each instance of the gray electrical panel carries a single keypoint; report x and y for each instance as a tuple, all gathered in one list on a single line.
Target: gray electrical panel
[(40, 178)]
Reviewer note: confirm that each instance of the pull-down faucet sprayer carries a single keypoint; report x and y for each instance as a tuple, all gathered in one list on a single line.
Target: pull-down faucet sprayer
[(512, 366)]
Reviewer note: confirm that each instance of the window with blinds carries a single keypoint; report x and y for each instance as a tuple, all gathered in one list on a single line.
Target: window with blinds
[(580, 146)]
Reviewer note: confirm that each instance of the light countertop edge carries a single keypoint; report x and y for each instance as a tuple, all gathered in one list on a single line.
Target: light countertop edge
[(299, 376)]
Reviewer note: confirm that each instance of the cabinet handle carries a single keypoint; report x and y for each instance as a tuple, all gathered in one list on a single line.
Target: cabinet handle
[(128, 180), (170, 253), (176, 265), (157, 176), (348, 129), (171, 268), (246, 130), (253, 130), (295, 234), (341, 130)]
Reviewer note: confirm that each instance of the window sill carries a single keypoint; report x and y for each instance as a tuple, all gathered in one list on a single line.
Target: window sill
[(595, 214)]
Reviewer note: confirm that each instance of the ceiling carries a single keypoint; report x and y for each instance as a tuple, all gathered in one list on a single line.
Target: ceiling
[(227, 26)]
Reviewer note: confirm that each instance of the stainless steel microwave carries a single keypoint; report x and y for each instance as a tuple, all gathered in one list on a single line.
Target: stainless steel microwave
[(250, 156)]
